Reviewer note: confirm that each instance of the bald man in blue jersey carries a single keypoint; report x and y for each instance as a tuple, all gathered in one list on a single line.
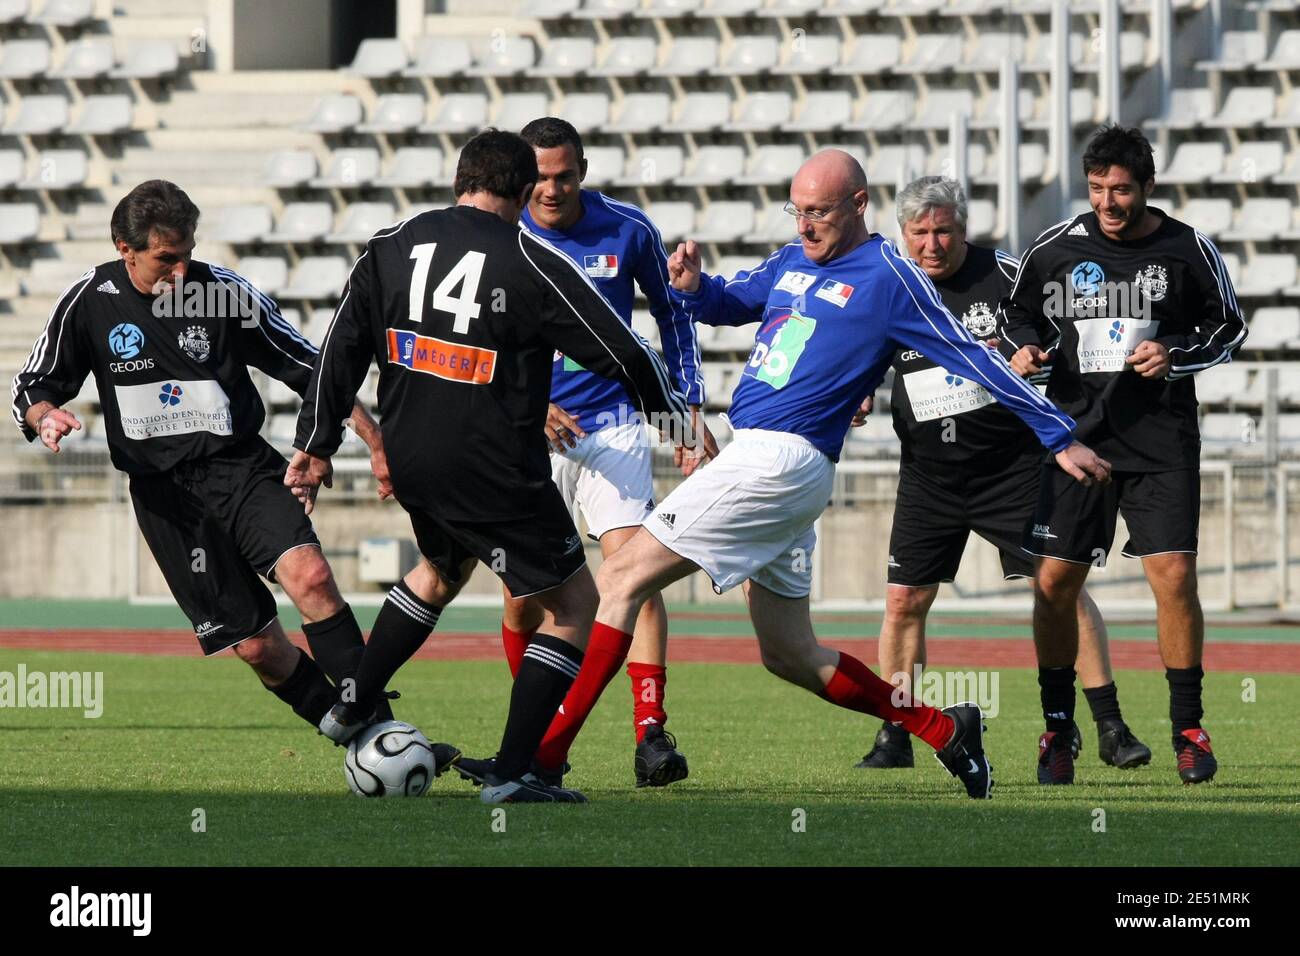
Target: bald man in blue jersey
[(833, 309)]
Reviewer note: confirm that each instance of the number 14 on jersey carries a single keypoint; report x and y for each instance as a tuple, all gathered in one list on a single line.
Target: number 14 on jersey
[(466, 273)]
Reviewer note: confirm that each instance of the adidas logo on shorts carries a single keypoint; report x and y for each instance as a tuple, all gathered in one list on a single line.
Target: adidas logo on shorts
[(1078, 230), (668, 519)]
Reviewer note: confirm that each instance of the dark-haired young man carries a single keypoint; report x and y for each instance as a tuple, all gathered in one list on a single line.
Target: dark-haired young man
[(1140, 302), (463, 311), (600, 453), (169, 340)]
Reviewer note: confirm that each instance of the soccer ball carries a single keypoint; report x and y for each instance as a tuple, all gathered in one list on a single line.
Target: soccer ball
[(389, 759)]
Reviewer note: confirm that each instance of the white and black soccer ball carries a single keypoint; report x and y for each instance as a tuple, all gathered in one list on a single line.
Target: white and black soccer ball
[(389, 759)]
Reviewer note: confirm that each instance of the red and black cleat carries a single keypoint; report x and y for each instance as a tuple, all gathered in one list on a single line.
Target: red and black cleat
[(1055, 759), (1196, 763)]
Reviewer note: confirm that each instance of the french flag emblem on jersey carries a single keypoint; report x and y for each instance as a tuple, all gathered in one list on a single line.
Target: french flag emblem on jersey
[(601, 266), (834, 292)]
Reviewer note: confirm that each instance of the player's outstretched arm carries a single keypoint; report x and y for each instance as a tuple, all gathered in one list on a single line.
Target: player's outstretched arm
[(715, 300)]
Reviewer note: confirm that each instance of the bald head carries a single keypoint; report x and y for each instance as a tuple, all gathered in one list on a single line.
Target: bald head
[(831, 188)]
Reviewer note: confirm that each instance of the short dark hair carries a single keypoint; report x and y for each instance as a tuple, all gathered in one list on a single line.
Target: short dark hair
[(495, 162), (154, 206), (1124, 146), (551, 131)]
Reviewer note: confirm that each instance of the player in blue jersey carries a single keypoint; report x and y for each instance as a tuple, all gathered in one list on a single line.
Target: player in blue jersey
[(833, 309), (600, 449)]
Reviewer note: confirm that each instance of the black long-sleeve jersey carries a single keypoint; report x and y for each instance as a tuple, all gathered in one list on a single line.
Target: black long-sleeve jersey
[(172, 370), (464, 313), (945, 419), (1104, 297)]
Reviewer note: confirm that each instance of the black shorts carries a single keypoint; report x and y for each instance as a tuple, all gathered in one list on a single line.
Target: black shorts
[(936, 511), (530, 554), (213, 526), (1162, 510)]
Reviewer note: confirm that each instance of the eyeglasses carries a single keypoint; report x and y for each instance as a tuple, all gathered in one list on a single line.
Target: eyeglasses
[(790, 209)]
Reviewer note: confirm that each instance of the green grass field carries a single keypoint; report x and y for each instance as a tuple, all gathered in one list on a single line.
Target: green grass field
[(179, 734)]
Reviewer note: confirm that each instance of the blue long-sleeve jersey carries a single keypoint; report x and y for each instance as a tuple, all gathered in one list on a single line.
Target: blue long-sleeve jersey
[(829, 331), (616, 244)]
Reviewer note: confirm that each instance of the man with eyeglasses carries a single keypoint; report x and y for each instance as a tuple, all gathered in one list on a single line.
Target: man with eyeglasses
[(833, 309)]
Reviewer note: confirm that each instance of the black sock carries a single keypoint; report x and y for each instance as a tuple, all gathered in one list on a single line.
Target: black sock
[(337, 645), (1103, 701), (1056, 688), (404, 623), (306, 691), (1185, 710), (545, 676)]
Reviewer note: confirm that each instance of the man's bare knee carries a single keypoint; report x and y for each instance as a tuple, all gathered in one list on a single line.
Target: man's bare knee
[(908, 604)]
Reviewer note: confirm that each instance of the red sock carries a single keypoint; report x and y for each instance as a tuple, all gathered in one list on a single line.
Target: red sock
[(515, 643), (606, 652), (648, 682), (853, 685)]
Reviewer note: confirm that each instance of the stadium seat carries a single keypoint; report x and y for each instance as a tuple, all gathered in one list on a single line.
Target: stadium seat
[(1288, 383), (1286, 53), (689, 56), (516, 110), (875, 438), (734, 338), (549, 9), (992, 48), (302, 222), (884, 110), (1272, 327), (288, 168), (749, 56), (24, 59), (1287, 115), (808, 55), (1192, 163), (318, 323), (395, 113), (772, 226), (334, 113), (871, 53), (1085, 55), (19, 223), (1245, 106), (317, 277), (65, 13), (644, 325), (1238, 50), (103, 115), (1288, 434), (413, 167), (588, 112), (894, 163), (713, 166), (653, 165), (268, 273), (606, 9), (851, 8), (1222, 384), (675, 220), (1230, 435), (1211, 216), (981, 218), (626, 56), (1260, 218), (641, 113), (361, 220), (349, 169), (149, 60), (758, 112), (508, 56), (378, 58), (57, 169), (458, 113), (1267, 274), (13, 11), (1033, 165), (38, 115), (440, 57), (939, 106), (731, 8), (821, 110), (1252, 162), (247, 222), (566, 56), (772, 165), (932, 53), (604, 165), (725, 221), (12, 167), (1188, 109), (85, 59), (700, 112)]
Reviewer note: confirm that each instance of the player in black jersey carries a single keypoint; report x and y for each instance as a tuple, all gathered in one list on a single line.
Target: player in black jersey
[(1138, 302), (464, 311), (968, 464), (169, 340)]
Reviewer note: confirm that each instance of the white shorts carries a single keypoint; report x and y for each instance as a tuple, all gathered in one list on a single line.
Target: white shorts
[(608, 476), (749, 513)]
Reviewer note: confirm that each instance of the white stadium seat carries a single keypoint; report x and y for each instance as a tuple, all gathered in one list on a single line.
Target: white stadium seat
[(1211, 216), (822, 110), (725, 221), (13, 11), (772, 165), (65, 13), (1188, 109), (549, 9), (413, 167), (749, 56), (1260, 218), (437, 56), (808, 55), (790, 8), (1287, 115), (458, 113), (606, 9), (884, 110), (626, 56), (334, 113), (1230, 435), (58, 169), (395, 113), (1192, 163), (731, 8), (871, 53), (302, 222), (588, 112), (149, 60), (713, 166), (991, 49), (939, 106), (1245, 106), (1222, 384), (349, 169), (653, 165), (674, 220), (247, 222), (12, 167), (317, 277), (289, 167), (103, 115), (689, 56), (981, 218), (1271, 327), (516, 110), (772, 225), (895, 163), (268, 273), (1252, 162), (508, 56), (1267, 274), (700, 112), (24, 59), (665, 9), (932, 53), (362, 220), (641, 113), (758, 112), (566, 56), (86, 59), (378, 58), (38, 115), (1238, 49), (1288, 383), (604, 165), (1286, 52)]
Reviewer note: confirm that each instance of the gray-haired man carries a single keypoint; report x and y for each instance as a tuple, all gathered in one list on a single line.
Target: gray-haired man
[(968, 464)]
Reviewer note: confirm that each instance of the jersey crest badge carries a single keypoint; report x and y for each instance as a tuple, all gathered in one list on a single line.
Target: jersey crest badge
[(194, 343), (836, 293), (979, 320), (600, 266), (1153, 282), (796, 283)]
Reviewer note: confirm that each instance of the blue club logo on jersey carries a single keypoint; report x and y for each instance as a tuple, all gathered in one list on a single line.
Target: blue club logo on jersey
[(126, 340), (1087, 278), (1116, 331), (171, 394), (602, 266)]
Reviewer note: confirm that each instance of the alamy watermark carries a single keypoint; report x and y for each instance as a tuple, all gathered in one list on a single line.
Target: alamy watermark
[(941, 689), (83, 690)]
